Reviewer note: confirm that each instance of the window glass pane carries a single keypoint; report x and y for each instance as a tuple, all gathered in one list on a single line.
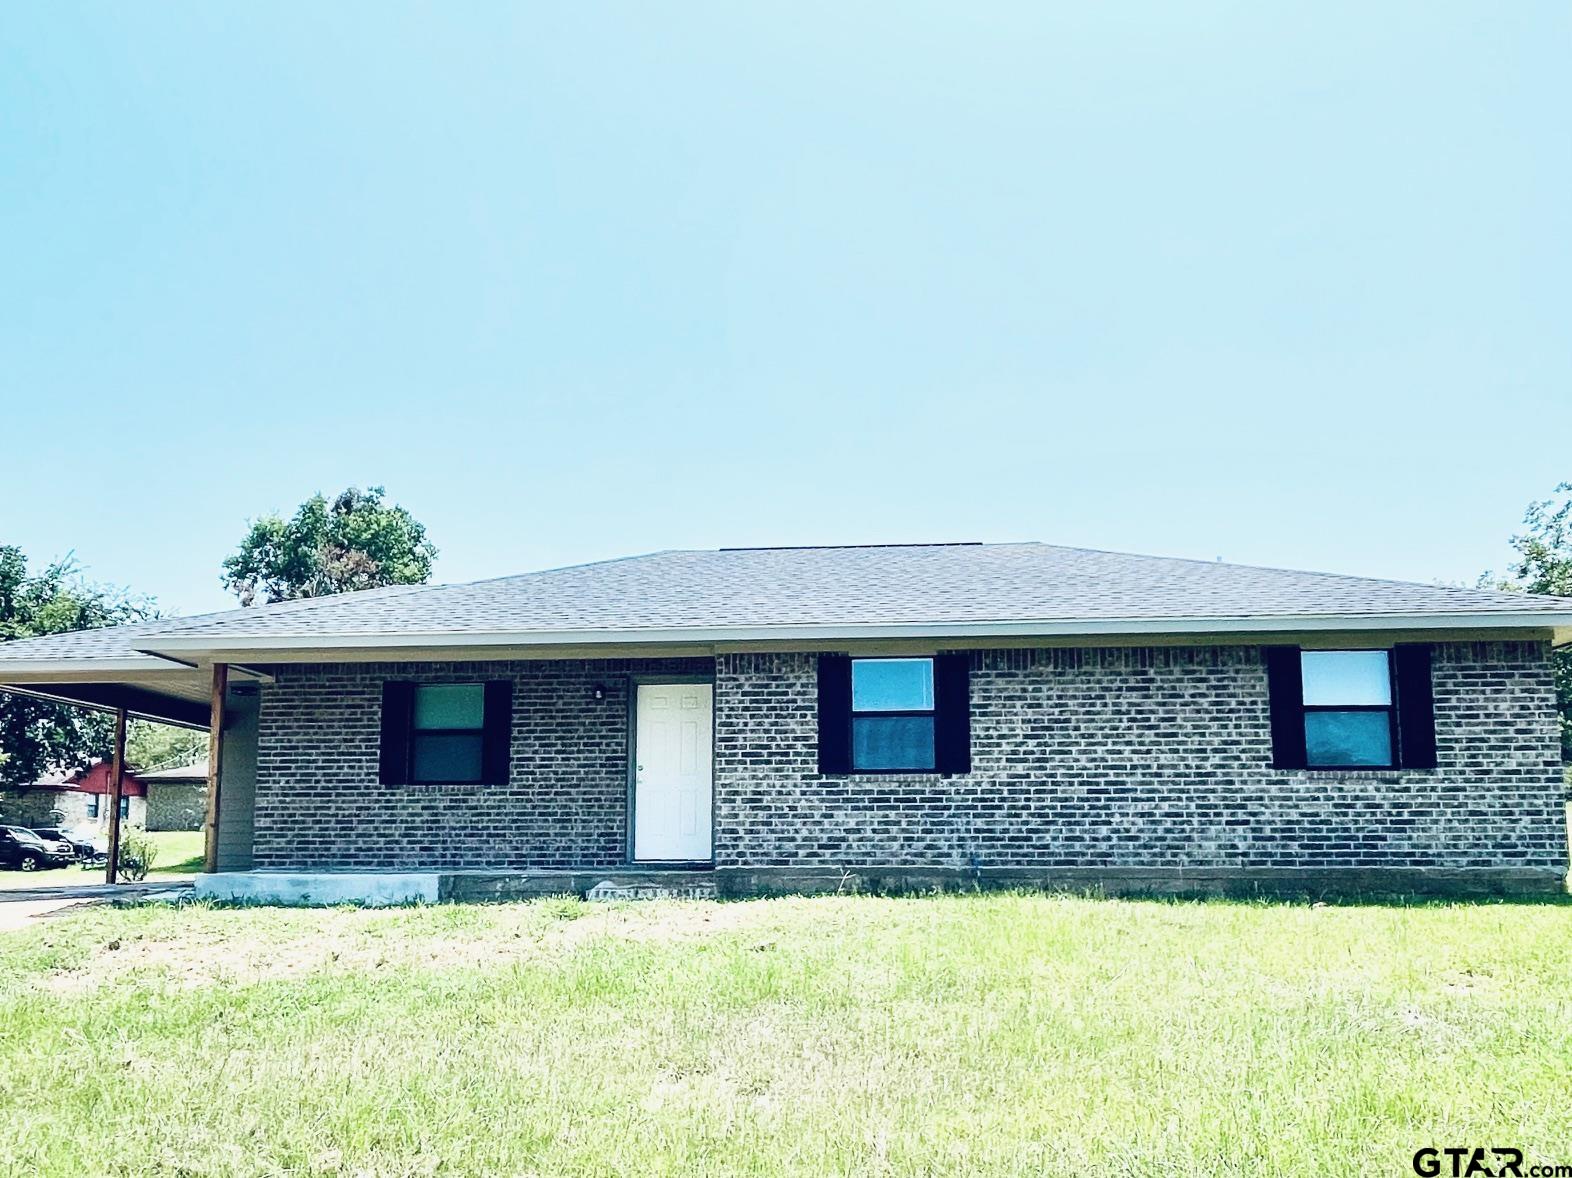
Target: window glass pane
[(1333, 677), (450, 705), (1348, 738), (892, 685), (892, 742), (447, 757)]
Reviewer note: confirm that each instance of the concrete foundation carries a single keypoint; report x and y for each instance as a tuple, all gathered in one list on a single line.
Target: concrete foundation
[(376, 888), (321, 888)]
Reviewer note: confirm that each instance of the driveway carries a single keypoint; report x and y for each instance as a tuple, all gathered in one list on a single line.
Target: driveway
[(19, 907)]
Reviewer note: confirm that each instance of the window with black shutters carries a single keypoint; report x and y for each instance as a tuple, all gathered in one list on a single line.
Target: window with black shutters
[(446, 733), (1352, 709), (895, 715)]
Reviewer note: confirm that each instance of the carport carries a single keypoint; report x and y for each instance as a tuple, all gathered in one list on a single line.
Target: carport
[(103, 670)]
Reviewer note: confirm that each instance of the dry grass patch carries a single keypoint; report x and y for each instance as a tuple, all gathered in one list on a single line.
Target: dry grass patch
[(273, 944)]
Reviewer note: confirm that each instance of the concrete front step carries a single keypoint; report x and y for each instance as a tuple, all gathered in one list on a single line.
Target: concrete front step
[(321, 888), (380, 888)]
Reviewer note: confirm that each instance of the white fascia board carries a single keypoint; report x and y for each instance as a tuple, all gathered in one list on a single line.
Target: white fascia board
[(261, 644), (54, 668)]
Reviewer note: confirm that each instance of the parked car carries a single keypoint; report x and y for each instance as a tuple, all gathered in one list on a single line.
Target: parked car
[(57, 844), (22, 849), (83, 845)]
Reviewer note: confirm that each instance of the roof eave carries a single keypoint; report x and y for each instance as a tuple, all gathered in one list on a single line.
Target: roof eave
[(202, 647), (90, 667)]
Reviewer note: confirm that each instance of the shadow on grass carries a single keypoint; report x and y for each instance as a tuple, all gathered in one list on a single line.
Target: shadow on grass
[(185, 867), (1358, 900), (562, 905), (1254, 896)]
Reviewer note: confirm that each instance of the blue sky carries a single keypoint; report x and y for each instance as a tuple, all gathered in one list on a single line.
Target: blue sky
[(1286, 284)]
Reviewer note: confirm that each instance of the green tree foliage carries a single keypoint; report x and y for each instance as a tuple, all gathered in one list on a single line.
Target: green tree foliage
[(162, 746), (354, 542), (1544, 565), (37, 737)]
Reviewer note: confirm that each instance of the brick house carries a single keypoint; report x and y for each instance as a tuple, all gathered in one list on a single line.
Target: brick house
[(176, 797), (754, 720), (74, 799)]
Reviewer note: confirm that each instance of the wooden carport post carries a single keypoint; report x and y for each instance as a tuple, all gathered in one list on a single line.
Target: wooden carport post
[(117, 772), (215, 752)]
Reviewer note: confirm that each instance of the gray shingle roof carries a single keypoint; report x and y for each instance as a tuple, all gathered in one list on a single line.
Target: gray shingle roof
[(108, 642), (128, 641), (743, 589)]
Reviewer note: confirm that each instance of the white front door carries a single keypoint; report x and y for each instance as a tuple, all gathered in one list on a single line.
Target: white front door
[(671, 772)]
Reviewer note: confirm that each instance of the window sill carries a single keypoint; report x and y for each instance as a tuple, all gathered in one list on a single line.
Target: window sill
[(452, 784), (1356, 773), (892, 773)]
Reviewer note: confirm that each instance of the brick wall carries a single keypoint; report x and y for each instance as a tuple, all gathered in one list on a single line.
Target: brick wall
[(318, 802), (1107, 757), (1143, 758), (45, 807), (176, 805)]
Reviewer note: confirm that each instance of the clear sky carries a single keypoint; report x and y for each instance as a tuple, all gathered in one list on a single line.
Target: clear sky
[(1286, 284)]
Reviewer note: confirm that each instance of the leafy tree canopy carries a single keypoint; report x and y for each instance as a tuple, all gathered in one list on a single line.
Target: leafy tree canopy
[(1544, 547), (1544, 565), (162, 746), (37, 737), (354, 542)]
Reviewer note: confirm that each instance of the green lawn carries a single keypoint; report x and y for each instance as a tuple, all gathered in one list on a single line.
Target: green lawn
[(179, 853), (994, 1034)]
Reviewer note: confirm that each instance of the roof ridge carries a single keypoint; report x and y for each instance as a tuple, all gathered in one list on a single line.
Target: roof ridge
[(844, 547)]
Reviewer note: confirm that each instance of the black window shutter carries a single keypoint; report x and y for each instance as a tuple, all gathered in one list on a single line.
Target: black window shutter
[(952, 720), (497, 753), (398, 713), (835, 713), (1285, 689), (1416, 713)]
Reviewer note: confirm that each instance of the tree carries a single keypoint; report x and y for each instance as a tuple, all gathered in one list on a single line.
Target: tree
[(37, 737), (354, 542), (1544, 565), (162, 746)]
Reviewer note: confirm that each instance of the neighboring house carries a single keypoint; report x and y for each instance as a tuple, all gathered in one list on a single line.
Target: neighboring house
[(177, 797), (73, 799), (798, 719)]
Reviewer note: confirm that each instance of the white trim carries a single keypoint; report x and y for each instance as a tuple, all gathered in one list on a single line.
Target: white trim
[(137, 665), (227, 644), (150, 665), (149, 669)]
